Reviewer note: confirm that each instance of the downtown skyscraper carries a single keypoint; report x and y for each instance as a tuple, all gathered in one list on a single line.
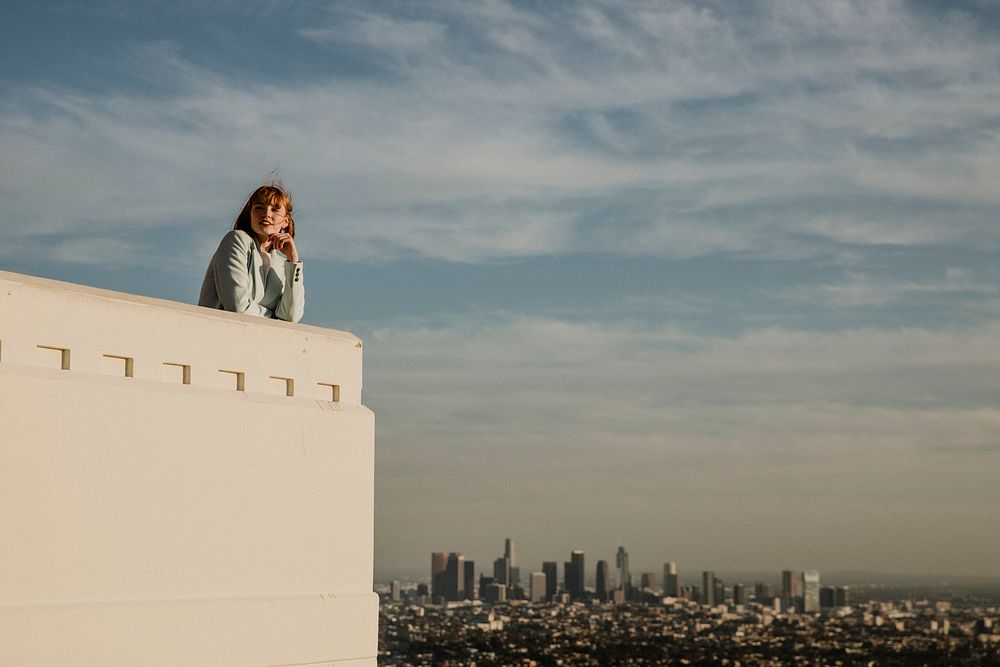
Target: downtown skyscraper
[(573, 572), (671, 584), (810, 591), (708, 588), (624, 576), (603, 581), (551, 571)]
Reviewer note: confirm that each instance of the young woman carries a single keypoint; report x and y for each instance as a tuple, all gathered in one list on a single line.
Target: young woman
[(256, 269)]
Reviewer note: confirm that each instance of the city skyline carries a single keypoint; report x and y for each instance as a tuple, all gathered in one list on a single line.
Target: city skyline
[(687, 573), (784, 581), (716, 281)]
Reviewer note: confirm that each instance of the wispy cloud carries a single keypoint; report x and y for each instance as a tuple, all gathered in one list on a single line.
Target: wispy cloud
[(672, 130), (865, 289), (596, 369)]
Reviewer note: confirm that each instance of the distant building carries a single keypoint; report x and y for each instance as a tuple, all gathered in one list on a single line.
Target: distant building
[(647, 580), (501, 570), (455, 577), (469, 580), (708, 587), (395, 591), (484, 581), (516, 592), (439, 565), (581, 574), (551, 570), (574, 572), (791, 589), (495, 593), (739, 594), (671, 584), (841, 596), (827, 597), (513, 571), (762, 592), (624, 576), (538, 582), (603, 580), (810, 591)]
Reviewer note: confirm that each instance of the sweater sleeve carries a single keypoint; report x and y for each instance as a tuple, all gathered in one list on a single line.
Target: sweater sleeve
[(293, 296), (233, 281)]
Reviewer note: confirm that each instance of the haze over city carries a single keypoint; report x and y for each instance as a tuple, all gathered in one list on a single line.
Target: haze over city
[(716, 281)]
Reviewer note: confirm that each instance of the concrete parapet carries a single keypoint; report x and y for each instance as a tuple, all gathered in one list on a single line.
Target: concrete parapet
[(180, 485), (52, 324)]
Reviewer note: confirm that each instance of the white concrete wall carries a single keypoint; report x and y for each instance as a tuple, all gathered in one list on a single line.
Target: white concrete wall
[(148, 521)]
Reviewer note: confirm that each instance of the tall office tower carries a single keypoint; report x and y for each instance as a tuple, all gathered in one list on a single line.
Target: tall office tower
[(395, 591), (826, 597), (603, 580), (810, 591), (581, 573), (439, 565), (647, 580), (574, 573), (551, 570), (840, 596), (624, 577), (739, 594), (469, 580), (762, 591), (484, 581), (455, 577), (501, 570), (720, 591), (708, 587), (513, 571), (670, 582), (537, 587), (791, 589)]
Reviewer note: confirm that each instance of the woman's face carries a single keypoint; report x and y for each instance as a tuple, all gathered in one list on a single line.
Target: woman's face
[(267, 219)]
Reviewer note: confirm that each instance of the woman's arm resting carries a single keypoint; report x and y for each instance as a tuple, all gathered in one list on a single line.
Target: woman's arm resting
[(293, 297)]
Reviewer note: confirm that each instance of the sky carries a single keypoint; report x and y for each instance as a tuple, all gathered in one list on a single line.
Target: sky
[(715, 281)]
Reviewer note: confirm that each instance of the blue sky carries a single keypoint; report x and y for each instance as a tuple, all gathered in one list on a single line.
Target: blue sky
[(716, 281)]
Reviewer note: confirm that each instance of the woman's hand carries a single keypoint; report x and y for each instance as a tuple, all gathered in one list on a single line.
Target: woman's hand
[(284, 242)]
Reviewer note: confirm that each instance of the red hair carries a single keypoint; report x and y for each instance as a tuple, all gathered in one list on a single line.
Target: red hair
[(273, 194)]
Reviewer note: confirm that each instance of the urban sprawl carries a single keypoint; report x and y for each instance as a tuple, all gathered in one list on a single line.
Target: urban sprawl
[(542, 620)]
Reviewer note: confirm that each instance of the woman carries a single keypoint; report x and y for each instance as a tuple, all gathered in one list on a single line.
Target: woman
[(256, 269)]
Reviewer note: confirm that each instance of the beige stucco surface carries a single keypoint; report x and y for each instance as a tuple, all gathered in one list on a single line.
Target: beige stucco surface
[(148, 521)]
